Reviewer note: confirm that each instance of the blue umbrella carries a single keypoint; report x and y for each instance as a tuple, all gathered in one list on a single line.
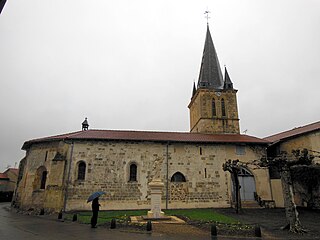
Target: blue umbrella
[(95, 195)]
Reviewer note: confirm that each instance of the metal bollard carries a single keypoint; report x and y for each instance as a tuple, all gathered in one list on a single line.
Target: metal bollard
[(149, 226), (75, 217), (42, 211), (213, 230), (257, 231), (60, 215), (113, 223)]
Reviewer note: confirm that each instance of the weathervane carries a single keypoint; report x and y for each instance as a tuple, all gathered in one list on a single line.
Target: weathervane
[(207, 16)]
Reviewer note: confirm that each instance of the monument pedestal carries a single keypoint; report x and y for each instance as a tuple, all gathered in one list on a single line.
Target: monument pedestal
[(156, 187)]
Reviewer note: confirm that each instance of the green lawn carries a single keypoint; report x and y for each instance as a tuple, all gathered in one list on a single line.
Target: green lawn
[(207, 215)]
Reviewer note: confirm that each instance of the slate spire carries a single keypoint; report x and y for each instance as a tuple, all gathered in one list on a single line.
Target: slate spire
[(227, 81), (210, 72), (194, 90)]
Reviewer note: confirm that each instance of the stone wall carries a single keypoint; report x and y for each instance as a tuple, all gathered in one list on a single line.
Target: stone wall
[(108, 169), (207, 185), (50, 157), (201, 116)]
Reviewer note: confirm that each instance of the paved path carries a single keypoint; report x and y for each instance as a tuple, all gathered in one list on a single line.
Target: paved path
[(15, 226)]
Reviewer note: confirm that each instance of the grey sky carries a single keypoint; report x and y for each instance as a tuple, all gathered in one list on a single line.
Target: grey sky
[(131, 64)]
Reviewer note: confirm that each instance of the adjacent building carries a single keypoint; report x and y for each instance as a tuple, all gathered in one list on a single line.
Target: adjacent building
[(305, 137), (8, 181)]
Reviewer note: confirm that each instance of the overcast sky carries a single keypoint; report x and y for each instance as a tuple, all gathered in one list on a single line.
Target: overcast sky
[(131, 64)]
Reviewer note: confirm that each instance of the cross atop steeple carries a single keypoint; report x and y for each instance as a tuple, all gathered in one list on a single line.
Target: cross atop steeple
[(207, 16)]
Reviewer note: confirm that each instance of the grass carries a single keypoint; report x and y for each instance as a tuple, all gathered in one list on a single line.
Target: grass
[(205, 215)]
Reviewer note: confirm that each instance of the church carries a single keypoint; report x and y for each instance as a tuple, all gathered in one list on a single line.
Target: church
[(58, 173)]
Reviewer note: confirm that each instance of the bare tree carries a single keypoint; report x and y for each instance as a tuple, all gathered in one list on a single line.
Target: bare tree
[(233, 166), (284, 163)]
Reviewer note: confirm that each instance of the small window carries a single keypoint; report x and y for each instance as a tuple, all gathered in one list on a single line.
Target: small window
[(82, 171), (133, 173), (43, 180), (178, 177), (223, 108), (240, 150), (214, 110), (200, 150)]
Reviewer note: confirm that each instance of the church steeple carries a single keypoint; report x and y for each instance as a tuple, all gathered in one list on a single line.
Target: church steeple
[(213, 107), (210, 76)]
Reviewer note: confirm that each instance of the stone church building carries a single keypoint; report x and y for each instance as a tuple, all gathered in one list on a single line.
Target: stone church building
[(60, 172)]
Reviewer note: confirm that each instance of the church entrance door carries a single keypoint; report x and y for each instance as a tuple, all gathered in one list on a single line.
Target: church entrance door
[(247, 183)]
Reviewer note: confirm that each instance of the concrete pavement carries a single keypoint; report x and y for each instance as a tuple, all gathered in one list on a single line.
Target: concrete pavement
[(14, 226)]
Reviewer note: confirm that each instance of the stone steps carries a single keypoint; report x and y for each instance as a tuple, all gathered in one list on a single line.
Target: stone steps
[(250, 204)]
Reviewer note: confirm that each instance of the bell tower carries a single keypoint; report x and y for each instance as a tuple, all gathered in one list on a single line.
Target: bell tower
[(213, 107)]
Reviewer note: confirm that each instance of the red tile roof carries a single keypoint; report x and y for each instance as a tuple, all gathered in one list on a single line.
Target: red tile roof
[(150, 136), (13, 170), (294, 132), (3, 176)]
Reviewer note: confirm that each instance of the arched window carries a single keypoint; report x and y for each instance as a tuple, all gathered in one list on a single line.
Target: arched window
[(81, 171), (178, 177), (43, 180), (133, 173), (244, 172), (40, 178), (223, 108), (214, 110)]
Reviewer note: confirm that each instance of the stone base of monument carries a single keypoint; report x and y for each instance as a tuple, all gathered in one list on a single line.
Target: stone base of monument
[(164, 219), (156, 218)]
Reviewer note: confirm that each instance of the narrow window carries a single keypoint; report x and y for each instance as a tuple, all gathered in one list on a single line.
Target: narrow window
[(200, 150), (82, 171), (214, 110), (205, 173), (43, 180), (178, 177), (240, 150), (223, 108), (45, 158), (133, 173)]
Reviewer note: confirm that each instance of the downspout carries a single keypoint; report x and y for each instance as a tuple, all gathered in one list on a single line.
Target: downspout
[(167, 175), (270, 184), (68, 180)]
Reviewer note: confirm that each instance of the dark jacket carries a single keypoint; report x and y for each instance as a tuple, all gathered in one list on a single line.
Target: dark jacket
[(95, 204)]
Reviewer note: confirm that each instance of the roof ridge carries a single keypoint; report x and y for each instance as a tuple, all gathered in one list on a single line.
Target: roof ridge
[(294, 129), (159, 131)]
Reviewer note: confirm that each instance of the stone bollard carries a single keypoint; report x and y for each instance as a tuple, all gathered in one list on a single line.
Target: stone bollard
[(213, 230), (60, 215), (75, 217), (113, 223), (257, 231), (42, 211), (149, 226)]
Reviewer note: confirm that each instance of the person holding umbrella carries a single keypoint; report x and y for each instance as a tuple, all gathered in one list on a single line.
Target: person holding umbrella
[(95, 210), (95, 207)]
